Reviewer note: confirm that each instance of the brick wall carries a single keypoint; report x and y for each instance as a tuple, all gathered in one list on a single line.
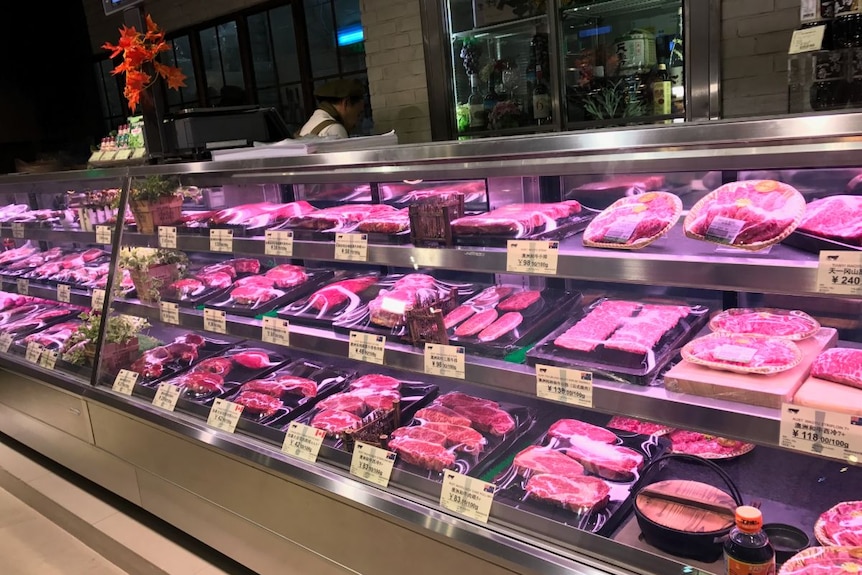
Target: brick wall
[(755, 36)]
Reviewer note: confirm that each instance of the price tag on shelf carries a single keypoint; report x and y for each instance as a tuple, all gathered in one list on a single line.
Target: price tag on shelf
[(224, 415), (275, 330), (809, 430), (840, 273), (48, 359), (445, 360), (351, 247), (18, 230), (807, 40), (303, 441), (34, 352), (5, 342), (166, 396), (123, 154), (532, 257), (97, 301), (23, 287), (221, 241), (169, 312), (367, 347), (168, 237), (125, 382), (279, 243), (103, 235), (214, 320), (64, 293), (372, 463), (139, 153), (565, 385), (467, 496)]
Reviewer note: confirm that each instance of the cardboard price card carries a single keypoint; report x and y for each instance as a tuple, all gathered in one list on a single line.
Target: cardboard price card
[(466, 496), (275, 330), (166, 396), (224, 415), (214, 320), (18, 230), (278, 243), (169, 312), (48, 359), (125, 382), (303, 441), (168, 237), (221, 241), (103, 235), (23, 287), (807, 40), (840, 273), (5, 342), (34, 352), (565, 385), (809, 430), (532, 257), (351, 247), (64, 293), (367, 347), (444, 360), (97, 301), (372, 463)]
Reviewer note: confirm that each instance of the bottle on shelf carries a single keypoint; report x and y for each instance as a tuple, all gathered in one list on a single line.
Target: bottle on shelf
[(491, 96), (476, 104), (676, 69), (847, 27), (661, 92), (747, 550), (541, 99), (830, 89)]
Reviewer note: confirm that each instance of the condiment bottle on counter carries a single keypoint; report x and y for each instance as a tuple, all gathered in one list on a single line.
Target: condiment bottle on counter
[(747, 550)]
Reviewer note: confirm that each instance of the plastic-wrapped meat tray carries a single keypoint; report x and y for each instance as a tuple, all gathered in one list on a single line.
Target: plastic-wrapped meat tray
[(23, 320), (517, 506), (340, 296), (402, 195), (522, 221), (383, 305), (321, 226), (254, 219), (278, 296), (210, 281), (53, 336), (532, 313), (607, 351), (21, 266), (831, 223), (815, 244)]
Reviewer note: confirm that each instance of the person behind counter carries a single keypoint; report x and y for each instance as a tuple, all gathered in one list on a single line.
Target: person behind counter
[(340, 106)]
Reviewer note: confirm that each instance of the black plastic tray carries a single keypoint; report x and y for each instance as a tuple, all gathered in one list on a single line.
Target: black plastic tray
[(34, 314), (566, 228), (301, 311), (399, 238), (315, 279), (815, 244)]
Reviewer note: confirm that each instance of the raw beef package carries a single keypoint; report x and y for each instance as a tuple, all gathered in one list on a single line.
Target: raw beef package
[(841, 525), (623, 340), (383, 222), (553, 221), (257, 294), (34, 315), (836, 218), (634, 222), (749, 215), (165, 361), (254, 219), (790, 324), (841, 365), (754, 354), (343, 294), (824, 561), (578, 474)]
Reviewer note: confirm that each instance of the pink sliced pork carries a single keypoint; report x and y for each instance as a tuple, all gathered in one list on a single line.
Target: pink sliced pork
[(611, 462)]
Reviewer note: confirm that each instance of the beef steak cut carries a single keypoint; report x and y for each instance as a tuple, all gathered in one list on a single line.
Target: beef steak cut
[(566, 428), (608, 461), (835, 217), (501, 327), (578, 494), (334, 422), (335, 294), (476, 323), (519, 301), (461, 437), (376, 381), (421, 433), (535, 459), (349, 402), (440, 414), (841, 365), (423, 454)]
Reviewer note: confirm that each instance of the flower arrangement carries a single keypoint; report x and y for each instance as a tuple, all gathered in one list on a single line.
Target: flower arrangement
[(505, 114), (138, 50)]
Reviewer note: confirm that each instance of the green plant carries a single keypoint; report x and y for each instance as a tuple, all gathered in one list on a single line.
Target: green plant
[(120, 329), (153, 188), (612, 101), (142, 259)]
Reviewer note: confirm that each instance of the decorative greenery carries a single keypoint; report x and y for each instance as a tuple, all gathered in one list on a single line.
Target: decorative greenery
[(153, 188), (121, 328), (142, 259), (612, 102)]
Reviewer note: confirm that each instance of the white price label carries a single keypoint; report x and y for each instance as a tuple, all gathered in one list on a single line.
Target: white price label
[(18, 230), (64, 293), (532, 257), (809, 430), (48, 359), (467, 496), (139, 153), (5, 342), (367, 347), (351, 247), (620, 232), (445, 360), (23, 287), (123, 154), (278, 243), (840, 273), (807, 40), (34, 352), (125, 382), (97, 302), (275, 330), (168, 237), (724, 230), (303, 441), (372, 463), (214, 320), (221, 241), (224, 415), (166, 396), (169, 312), (734, 353), (103, 235), (565, 385)]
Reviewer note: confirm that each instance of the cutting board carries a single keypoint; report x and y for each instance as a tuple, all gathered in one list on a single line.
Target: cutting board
[(829, 396), (751, 389)]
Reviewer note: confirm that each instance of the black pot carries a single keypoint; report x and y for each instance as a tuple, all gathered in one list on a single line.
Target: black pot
[(705, 546)]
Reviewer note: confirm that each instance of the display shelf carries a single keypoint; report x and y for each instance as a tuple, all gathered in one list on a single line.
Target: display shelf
[(77, 296), (605, 7), (52, 235), (522, 26)]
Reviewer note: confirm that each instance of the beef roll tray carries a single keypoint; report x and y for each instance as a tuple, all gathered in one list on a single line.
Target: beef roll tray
[(577, 475), (502, 318), (382, 223), (553, 221), (342, 295)]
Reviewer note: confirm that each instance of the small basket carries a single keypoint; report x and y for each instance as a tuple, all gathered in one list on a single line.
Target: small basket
[(687, 355), (163, 212), (151, 283), (431, 219), (425, 324), (845, 507), (114, 356), (375, 428)]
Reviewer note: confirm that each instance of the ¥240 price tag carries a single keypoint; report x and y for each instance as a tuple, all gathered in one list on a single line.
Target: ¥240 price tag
[(351, 247), (278, 243), (372, 463), (466, 496), (840, 273), (444, 360), (103, 235), (125, 382), (64, 293), (168, 237), (169, 312), (221, 240), (214, 320), (565, 385), (367, 347), (275, 330), (34, 352), (166, 396), (532, 257), (303, 441), (224, 415), (809, 430)]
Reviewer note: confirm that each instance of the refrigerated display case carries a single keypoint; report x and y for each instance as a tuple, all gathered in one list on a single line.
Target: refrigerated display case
[(305, 345)]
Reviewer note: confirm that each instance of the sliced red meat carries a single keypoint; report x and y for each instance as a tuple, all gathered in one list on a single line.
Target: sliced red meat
[(425, 454), (254, 296), (191, 339), (331, 296), (92, 254), (566, 428), (259, 404), (779, 323), (255, 281), (634, 219), (457, 399), (580, 494), (516, 220), (461, 437), (335, 422), (389, 307), (218, 365), (242, 213), (287, 275), (375, 381), (182, 351), (458, 315), (216, 280), (420, 432), (596, 326), (265, 386), (476, 323), (537, 459), (252, 359), (501, 327), (379, 399), (201, 383), (841, 365), (488, 419), (297, 385), (245, 265), (186, 287), (220, 267), (611, 462), (520, 301), (416, 280), (349, 402), (440, 414), (637, 426), (491, 295), (386, 223)]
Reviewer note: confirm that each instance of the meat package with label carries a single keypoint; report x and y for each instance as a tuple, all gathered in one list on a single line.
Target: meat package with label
[(553, 221), (841, 365), (30, 315), (749, 354), (623, 340), (209, 281), (634, 222), (789, 324), (254, 219), (165, 361), (345, 293)]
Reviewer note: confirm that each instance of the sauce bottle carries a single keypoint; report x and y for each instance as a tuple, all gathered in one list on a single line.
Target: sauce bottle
[(747, 550)]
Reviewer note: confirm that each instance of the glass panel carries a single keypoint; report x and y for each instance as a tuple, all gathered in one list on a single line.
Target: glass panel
[(268, 97), (169, 59), (212, 63), (230, 57), (284, 44), (100, 84), (183, 60), (261, 52), (293, 110), (321, 37), (116, 104), (350, 36)]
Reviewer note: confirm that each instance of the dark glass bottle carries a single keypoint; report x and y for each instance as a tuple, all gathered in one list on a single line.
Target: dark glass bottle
[(541, 99), (847, 28), (491, 96), (747, 550), (830, 89)]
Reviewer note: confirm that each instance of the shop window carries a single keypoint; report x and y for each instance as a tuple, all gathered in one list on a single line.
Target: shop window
[(110, 97), (223, 73), (180, 55)]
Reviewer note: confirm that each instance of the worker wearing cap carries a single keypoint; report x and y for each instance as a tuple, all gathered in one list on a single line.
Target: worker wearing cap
[(340, 105)]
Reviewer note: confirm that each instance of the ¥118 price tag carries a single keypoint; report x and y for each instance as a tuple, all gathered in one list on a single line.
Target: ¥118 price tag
[(372, 463), (166, 396), (466, 496), (221, 241), (444, 360), (168, 237), (275, 330), (103, 235), (565, 385), (214, 320), (5, 342), (169, 312), (840, 273), (367, 347), (303, 441), (809, 430), (278, 243), (224, 415), (48, 359), (125, 382), (18, 230), (351, 247), (34, 352), (64, 293), (97, 302), (532, 257), (23, 287)]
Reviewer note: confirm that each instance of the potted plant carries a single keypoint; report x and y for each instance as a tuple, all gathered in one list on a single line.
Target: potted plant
[(152, 269), (119, 347), (155, 201)]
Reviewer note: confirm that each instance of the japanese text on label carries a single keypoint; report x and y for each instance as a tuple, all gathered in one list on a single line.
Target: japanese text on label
[(169, 312), (48, 359), (214, 320), (64, 293), (224, 415), (303, 441), (532, 257), (221, 241), (275, 330), (279, 243), (372, 463), (444, 360), (166, 396), (34, 352), (5, 342), (825, 433), (565, 385), (168, 237), (840, 273), (466, 496), (367, 347), (97, 301), (351, 247), (125, 382), (103, 235), (807, 40)]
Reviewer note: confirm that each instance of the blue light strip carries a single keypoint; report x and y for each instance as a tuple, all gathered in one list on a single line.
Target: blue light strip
[(594, 32), (350, 35)]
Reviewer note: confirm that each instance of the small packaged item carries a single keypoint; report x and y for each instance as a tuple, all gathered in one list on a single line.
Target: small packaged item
[(634, 222)]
